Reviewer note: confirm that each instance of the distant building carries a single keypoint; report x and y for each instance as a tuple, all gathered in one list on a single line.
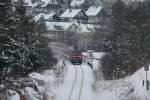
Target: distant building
[(80, 4), (52, 7), (74, 15), (68, 32), (95, 14), (28, 5), (61, 31), (48, 7), (29, 9), (52, 17), (85, 33)]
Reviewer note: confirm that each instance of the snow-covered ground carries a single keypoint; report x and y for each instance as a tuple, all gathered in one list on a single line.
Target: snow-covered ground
[(77, 84), (129, 88)]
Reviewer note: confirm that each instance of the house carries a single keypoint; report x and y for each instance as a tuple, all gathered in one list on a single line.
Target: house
[(95, 14), (74, 15), (82, 4), (85, 33), (68, 32), (52, 17), (30, 7), (61, 31), (47, 6), (27, 4), (51, 6), (40, 9)]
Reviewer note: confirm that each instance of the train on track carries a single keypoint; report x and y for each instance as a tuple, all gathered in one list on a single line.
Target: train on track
[(76, 57)]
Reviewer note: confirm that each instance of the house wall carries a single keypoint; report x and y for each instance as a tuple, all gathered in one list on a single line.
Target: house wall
[(29, 10), (79, 17), (95, 20), (82, 17)]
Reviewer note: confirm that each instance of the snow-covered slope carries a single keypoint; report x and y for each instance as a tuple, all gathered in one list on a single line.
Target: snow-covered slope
[(129, 88)]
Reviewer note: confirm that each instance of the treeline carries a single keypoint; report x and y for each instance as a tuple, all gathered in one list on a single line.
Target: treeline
[(128, 45), (23, 47)]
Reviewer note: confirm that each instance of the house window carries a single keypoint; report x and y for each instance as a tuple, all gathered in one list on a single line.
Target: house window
[(58, 27)]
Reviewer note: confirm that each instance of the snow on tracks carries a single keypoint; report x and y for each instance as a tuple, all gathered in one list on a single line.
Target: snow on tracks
[(76, 90)]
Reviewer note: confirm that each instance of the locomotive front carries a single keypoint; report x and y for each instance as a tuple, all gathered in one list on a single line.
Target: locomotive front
[(76, 57)]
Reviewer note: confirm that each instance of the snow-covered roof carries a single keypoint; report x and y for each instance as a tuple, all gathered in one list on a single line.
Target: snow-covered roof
[(44, 15), (85, 28), (29, 3), (71, 13), (48, 16), (63, 26), (93, 11), (56, 26), (46, 2), (75, 3)]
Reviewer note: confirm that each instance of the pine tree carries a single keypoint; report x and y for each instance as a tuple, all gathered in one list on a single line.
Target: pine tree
[(129, 42), (23, 47)]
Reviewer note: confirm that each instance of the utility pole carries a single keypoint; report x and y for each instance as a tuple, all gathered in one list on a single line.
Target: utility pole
[(146, 68)]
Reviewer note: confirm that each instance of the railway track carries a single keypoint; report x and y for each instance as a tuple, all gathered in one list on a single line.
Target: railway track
[(78, 71), (80, 92)]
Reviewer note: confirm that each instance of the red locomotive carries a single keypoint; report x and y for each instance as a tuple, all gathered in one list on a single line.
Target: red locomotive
[(76, 57)]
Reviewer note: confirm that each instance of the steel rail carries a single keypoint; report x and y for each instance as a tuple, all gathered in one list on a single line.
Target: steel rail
[(80, 92), (74, 82)]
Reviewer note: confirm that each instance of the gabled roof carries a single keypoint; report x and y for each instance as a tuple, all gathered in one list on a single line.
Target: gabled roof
[(45, 16), (71, 13), (64, 26), (77, 3), (43, 3), (47, 2), (59, 26), (93, 11)]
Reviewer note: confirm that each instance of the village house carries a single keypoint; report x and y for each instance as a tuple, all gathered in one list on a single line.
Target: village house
[(48, 7), (85, 33), (80, 4), (95, 14), (28, 5), (61, 31), (52, 17), (67, 32), (52, 7), (74, 15)]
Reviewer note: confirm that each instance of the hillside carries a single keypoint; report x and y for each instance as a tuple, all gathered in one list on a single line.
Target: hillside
[(129, 88)]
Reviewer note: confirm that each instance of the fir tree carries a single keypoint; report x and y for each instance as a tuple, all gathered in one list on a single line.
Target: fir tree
[(129, 42)]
